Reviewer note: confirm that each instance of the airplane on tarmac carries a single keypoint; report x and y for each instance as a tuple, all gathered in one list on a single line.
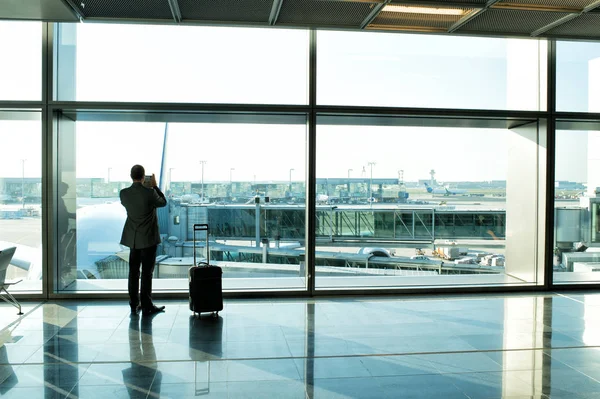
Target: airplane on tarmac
[(322, 199), (444, 190), (98, 231)]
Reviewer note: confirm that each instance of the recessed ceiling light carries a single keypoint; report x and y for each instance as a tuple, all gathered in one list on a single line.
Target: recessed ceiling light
[(423, 10)]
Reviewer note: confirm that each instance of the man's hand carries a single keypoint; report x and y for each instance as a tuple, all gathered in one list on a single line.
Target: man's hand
[(153, 181)]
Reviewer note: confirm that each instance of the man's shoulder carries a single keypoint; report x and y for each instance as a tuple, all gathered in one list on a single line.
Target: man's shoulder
[(128, 190), (137, 189)]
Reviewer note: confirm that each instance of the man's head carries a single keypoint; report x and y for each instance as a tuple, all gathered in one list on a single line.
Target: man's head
[(62, 188), (137, 173)]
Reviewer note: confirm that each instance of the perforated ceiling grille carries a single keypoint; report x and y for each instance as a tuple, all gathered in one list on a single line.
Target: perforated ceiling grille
[(521, 18), (443, 3), (124, 9), (558, 4), (226, 10), (511, 21), (390, 20), (323, 13), (584, 26)]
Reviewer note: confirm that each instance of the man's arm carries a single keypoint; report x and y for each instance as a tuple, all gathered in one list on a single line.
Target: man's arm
[(159, 198)]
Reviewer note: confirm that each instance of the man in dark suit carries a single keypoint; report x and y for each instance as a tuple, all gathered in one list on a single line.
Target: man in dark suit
[(141, 235)]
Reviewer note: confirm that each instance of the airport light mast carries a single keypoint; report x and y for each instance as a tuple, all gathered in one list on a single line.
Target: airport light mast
[(291, 170), (231, 181), (349, 170), (202, 181), (23, 182), (170, 173), (371, 181)]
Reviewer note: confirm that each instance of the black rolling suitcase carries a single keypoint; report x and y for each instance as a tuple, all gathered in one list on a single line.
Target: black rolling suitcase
[(206, 293)]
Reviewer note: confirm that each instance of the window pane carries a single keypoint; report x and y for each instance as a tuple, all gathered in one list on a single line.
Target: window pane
[(577, 207), (578, 76), (401, 70), (21, 66), (21, 197), (433, 208), (183, 64), (251, 195)]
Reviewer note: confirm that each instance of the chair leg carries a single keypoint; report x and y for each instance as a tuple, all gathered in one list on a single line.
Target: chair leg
[(11, 299)]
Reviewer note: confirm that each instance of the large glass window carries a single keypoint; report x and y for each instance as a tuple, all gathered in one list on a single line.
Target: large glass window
[(577, 204), (578, 76), (400, 70), (422, 206), (183, 64), (21, 197), (21, 66), (245, 177)]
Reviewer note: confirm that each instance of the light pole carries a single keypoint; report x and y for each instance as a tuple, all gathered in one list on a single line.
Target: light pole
[(291, 170), (23, 182), (231, 180), (349, 170), (108, 178), (371, 181), (202, 181), (170, 174)]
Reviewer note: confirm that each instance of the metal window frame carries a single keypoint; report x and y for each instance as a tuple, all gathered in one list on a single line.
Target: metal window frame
[(51, 107)]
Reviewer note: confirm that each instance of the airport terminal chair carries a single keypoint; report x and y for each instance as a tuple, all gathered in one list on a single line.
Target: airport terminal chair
[(5, 257)]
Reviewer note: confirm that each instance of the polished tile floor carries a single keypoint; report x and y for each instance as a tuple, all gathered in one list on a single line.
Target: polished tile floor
[(468, 346)]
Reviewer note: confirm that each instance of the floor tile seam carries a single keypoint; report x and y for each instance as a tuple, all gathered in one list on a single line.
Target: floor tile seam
[(287, 344), (59, 390), (363, 355), (372, 354), (58, 362), (22, 317), (359, 355), (597, 380), (559, 294)]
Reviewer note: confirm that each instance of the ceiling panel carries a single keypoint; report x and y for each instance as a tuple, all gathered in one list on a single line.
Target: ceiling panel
[(406, 21), (124, 9), (226, 10), (37, 10), (585, 26), (546, 4), (324, 13), (511, 21)]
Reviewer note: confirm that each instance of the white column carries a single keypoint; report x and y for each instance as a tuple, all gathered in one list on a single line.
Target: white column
[(525, 75), (593, 167)]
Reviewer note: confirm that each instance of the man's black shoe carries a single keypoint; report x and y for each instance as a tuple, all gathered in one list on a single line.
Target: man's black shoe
[(153, 310), (135, 309)]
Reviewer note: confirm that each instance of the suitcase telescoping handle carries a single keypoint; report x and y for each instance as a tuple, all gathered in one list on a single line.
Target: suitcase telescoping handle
[(201, 227)]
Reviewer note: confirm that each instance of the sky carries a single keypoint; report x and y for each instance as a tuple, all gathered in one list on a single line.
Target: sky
[(245, 65)]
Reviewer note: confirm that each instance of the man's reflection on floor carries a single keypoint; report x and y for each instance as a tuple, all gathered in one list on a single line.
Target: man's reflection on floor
[(142, 378)]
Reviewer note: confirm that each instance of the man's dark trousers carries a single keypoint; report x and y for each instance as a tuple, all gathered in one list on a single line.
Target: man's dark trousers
[(147, 258)]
